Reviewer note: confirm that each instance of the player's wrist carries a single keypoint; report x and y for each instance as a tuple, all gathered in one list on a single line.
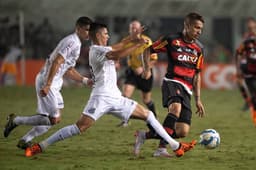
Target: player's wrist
[(48, 84), (197, 98), (85, 80)]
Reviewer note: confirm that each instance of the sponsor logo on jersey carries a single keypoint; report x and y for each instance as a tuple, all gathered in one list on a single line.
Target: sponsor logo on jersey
[(177, 42), (187, 50), (179, 50), (187, 58), (91, 110)]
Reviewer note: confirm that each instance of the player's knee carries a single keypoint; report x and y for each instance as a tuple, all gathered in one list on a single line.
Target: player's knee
[(182, 134), (83, 127), (175, 109), (84, 123), (55, 120)]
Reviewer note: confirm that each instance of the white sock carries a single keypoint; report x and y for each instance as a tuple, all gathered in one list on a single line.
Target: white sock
[(35, 131), (61, 134), (32, 120), (161, 131)]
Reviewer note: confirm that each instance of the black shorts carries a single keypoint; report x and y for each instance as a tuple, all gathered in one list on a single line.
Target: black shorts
[(173, 92), (243, 67), (136, 80)]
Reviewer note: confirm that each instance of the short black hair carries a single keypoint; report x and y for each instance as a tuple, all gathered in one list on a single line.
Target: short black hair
[(250, 19), (83, 21), (192, 17), (94, 28)]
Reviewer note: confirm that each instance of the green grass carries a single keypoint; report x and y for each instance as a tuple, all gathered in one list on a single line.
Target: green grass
[(106, 147)]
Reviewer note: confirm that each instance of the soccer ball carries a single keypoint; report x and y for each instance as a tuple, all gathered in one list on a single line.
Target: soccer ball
[(209, 138)]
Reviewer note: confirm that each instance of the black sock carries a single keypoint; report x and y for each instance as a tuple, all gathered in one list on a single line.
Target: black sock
[(169, 126), (170, 121), (151, 107), (243, 92)]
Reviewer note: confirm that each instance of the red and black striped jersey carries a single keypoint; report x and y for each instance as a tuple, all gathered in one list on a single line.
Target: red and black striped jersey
[(184, 59), (247, 50)]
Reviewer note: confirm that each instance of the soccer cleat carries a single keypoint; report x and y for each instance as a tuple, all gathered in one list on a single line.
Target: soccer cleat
[(189, 145), (140, 139), (162, 152), (10, 125), (33, 150), (23, 145), (184, 147)]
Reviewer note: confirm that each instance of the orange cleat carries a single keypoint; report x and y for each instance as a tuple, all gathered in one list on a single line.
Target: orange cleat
[(33, 150), (184, 147)]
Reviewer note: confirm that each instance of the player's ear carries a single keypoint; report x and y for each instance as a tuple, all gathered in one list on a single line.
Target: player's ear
[(186, 25), (97, 36)]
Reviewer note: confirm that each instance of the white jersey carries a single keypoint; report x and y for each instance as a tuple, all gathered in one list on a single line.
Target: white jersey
[(104, 72), (69, 48)]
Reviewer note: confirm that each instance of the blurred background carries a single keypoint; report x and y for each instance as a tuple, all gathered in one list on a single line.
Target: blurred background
[(30, 30)]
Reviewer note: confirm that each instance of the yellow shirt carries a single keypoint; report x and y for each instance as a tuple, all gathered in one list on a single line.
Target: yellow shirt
[(135, 58)]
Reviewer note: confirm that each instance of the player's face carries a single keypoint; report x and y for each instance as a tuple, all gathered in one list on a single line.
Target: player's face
[(135, 28), (251, 26), (83, 32), (194, 30), (103, 36)]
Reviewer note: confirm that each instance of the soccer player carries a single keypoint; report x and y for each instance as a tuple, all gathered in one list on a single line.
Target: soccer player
[(241, 62), (8, 71), (246, 53), (49, 80), (139, 72), (105, 96), (185, 59), (251, 27)]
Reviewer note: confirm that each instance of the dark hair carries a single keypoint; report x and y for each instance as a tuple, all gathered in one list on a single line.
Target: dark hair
[(192, 17), (250, 19), (94, 28), (83, 21)]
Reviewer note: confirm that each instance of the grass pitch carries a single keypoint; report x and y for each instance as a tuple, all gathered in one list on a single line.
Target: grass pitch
[(107, 147)]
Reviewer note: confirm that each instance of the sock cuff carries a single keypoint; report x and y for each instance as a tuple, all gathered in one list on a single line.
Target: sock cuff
[(76, 128), (150, 116), (172, 116)]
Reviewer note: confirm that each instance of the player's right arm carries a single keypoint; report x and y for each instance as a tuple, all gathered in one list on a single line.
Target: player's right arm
[(53, 70), (238, 57), (120, 45), (73, 74), (123, 52)]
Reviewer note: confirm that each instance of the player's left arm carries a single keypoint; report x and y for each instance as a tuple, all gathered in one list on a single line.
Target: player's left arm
[(73, 74), (123, 52), (197, 94), (59, 59)]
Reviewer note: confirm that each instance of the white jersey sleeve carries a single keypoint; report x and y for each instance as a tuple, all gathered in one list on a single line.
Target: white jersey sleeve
[(69, 48)]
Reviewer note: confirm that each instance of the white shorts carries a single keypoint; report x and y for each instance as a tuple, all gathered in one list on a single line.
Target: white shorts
[(120, 107), (50, 104)]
